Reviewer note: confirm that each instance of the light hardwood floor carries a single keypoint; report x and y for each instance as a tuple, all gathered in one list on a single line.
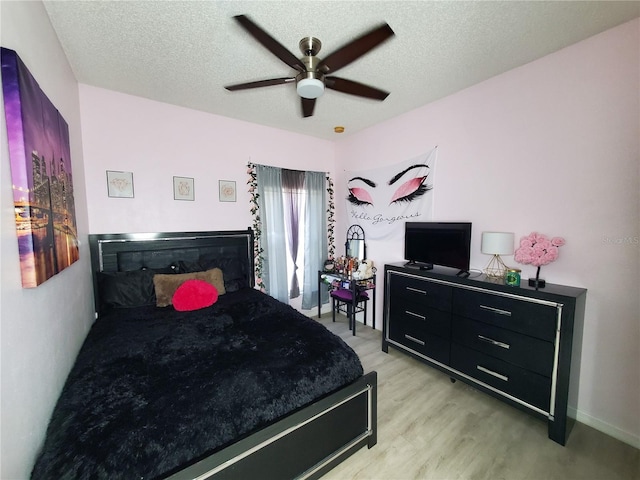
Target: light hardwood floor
[(430, 428)]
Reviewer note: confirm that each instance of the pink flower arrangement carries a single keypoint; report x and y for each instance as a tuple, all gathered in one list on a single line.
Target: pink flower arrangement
[(537, 249)]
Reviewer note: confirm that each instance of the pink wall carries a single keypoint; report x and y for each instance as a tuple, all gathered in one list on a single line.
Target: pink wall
[(156, 141), (553, 147)]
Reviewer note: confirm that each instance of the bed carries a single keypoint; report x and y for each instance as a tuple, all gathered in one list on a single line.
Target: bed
[(244, 387)]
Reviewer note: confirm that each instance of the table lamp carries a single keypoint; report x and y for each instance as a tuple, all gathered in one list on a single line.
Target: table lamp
[(496, 244)]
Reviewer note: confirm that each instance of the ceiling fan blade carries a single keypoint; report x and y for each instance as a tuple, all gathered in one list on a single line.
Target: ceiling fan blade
[(270, 43), (355, 49), (260, 83), (354, 88), (308, 104)]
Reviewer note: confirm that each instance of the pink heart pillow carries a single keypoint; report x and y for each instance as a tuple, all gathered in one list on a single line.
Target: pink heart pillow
[(193, 295)]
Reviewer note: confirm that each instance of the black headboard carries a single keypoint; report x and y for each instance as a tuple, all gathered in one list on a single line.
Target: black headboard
[(114, 252)]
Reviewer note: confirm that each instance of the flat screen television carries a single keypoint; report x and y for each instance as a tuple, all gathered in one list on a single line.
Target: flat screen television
[(447, 244)]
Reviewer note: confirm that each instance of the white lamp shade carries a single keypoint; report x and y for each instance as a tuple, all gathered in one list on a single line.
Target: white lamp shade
[(310, 88), (497, 243)]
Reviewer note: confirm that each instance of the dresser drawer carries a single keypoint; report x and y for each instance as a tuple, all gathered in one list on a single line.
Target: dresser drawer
[(521, 350), (421, 318), (416, 338), (521, 316), (524, 384), (421, 291)]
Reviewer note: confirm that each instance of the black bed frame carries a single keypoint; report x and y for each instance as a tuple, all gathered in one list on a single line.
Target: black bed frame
[(306, 443)]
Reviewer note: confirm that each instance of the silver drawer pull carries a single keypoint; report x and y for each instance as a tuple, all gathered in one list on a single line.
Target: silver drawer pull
[(494, 342), (421, 317), (496, 310), (491, 372), (413, 339), (411, 289)]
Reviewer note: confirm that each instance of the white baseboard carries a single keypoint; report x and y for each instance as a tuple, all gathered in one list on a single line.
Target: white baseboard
[(604, 427)]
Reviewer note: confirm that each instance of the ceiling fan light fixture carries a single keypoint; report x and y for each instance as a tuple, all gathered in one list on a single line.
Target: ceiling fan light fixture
[(310, 88)]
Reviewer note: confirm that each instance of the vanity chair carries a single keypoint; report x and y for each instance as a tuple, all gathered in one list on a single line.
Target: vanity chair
[(342, 297)]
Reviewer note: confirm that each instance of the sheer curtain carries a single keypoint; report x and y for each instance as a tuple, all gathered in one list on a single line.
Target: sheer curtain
[(315, 238), (293, 183), (273, 232)]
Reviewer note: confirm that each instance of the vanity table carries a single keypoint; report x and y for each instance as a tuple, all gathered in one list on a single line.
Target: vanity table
[(337, 280), (356, 249)]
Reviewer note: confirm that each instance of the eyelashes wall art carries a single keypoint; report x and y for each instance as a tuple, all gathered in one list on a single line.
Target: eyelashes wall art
[(381, 200)]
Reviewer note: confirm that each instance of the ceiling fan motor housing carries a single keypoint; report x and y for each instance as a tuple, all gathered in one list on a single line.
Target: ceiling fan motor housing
[(310, 83)]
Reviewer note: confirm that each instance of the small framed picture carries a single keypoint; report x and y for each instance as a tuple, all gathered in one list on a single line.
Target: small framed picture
[(227, 190), (120, 184), (183, 188)]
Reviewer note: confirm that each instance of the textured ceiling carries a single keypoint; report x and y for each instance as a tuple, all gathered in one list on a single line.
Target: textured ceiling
[(185, 52)]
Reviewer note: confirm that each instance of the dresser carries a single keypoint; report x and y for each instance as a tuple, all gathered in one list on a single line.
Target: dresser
[(514, 343)]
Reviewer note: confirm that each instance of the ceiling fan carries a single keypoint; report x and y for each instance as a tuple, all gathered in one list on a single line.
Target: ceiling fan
[(312, 73)]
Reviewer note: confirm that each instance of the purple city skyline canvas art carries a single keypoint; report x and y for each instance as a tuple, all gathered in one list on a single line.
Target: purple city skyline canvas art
[(40, 158)]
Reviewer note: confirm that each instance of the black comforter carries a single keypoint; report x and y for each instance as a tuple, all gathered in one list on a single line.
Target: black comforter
[(152, 389)]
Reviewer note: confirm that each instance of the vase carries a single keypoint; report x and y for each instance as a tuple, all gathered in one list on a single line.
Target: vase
[(537, 282)]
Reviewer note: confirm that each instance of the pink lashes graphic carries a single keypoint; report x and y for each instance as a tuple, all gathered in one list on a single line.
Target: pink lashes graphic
[(408, 191)]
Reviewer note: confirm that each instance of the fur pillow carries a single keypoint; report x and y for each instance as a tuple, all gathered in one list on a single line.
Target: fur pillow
[(194, 295), (166, 285), (233, 270)]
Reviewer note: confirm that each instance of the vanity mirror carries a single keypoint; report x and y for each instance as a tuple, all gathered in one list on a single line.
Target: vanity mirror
[(355, 246)]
